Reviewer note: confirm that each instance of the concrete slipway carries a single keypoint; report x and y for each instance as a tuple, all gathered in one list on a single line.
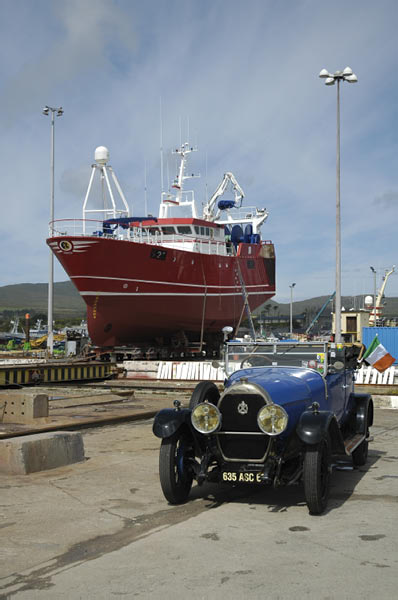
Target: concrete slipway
[(101, 529)]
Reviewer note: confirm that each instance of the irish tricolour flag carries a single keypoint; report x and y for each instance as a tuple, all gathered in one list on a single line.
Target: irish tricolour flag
[(377, 356)]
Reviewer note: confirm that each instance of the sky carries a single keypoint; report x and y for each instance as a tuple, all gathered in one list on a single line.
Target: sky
[(239, 80)]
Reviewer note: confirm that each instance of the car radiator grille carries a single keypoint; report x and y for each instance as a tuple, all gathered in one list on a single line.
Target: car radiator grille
[(239, 421)]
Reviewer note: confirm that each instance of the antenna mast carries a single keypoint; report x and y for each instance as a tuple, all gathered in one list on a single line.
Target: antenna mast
[(161, 150), (145, 191)]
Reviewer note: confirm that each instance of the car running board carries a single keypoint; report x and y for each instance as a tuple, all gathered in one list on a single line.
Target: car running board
[(353, 442)]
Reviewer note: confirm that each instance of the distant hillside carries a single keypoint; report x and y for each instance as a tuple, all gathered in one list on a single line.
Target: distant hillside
[(390, 305), (308, 309), (32, 297)]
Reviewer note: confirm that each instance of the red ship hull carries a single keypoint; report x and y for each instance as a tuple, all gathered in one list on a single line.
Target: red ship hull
[(137, 292)]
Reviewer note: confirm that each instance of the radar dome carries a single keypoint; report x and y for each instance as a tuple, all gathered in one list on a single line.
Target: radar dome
[(368, 300), (101, 155)]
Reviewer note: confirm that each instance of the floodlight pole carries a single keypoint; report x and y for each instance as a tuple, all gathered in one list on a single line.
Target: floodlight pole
[(291, 308), (338, 226), (50, 329), (346, 75), (374, 295)]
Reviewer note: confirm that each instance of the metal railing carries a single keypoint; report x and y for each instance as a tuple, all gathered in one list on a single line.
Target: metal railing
[(94, 228)]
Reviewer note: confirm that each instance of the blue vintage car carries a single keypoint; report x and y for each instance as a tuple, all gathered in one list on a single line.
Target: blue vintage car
[(287, 409)]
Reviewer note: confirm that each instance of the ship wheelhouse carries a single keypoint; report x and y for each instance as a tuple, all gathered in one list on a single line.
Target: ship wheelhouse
[(193, 235)]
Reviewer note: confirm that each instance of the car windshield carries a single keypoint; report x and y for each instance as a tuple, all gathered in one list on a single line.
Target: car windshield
[(311, 355)]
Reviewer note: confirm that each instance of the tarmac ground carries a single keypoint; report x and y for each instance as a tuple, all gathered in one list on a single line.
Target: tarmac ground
[(102, 529)]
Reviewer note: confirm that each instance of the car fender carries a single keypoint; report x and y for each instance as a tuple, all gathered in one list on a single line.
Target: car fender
[(168, 420), (313, 426), (364, 412)]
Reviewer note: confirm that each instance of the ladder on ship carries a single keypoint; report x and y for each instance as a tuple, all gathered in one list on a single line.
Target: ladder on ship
[(246, 305)]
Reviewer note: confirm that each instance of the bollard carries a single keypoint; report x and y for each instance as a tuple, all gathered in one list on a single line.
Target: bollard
[(23, 407)]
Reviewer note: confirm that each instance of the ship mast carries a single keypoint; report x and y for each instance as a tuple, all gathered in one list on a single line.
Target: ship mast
[(180, 198), (101, 157)]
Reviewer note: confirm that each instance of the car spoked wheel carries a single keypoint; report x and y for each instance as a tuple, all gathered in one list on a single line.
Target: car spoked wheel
[(360, 454), (204, 391), (175, 470), (317, 468)]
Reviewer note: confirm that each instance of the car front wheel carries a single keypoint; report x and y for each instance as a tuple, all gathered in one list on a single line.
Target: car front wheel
[(204, 391), (176, 453), (316, 476)]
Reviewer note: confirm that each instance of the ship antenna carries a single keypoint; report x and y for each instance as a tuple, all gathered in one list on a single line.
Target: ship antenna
[(145, 190), (161, 150), (206, 186)]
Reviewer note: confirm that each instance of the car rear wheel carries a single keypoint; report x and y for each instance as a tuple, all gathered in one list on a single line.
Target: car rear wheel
[(175, 472), (360, 454), (205, 390), (316, 475)]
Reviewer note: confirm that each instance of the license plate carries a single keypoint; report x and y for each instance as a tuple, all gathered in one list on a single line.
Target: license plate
[(242, 477)]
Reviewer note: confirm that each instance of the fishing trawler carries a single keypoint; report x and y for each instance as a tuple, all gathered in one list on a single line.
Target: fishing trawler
[(170, 280)]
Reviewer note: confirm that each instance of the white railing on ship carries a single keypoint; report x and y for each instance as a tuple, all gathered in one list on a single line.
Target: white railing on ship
[(75, 227), (89, 227)]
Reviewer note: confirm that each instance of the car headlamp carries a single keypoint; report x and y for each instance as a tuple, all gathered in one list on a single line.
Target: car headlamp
[(206, 417), (272, 419)]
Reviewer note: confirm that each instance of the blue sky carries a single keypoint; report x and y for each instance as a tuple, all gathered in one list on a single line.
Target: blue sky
[(245, 77)]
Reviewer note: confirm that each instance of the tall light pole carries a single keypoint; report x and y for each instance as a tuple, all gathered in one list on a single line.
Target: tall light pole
[(346, 75), (374, 295), (50, 332), (291, 308)]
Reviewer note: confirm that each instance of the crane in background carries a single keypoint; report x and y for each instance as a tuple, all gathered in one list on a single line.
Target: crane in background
[(376, 309), (315, 319)]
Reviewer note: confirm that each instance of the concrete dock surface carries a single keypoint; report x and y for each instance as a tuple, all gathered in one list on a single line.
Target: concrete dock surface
[(102, 529), (96, 404)]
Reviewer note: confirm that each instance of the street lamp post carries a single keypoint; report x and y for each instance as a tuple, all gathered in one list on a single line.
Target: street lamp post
[(291, 308), (50, 332), (374, 295), (346, 75)]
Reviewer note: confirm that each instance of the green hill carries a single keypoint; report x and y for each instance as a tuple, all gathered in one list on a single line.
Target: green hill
[(276, 315), (313, 305), (32, 298)]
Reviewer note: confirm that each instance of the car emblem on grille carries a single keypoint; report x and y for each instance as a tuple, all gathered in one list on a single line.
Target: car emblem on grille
[(243, 409)]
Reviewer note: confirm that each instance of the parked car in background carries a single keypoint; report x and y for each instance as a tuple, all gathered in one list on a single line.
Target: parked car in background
[(286, 410)]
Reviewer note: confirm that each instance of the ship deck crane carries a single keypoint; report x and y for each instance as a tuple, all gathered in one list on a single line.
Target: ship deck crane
[(221, 213), (210, 213)]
